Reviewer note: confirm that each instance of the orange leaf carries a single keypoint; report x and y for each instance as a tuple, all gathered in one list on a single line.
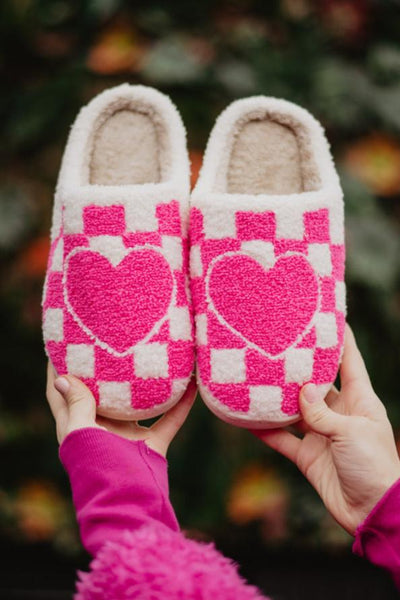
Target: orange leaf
[(33, 260)]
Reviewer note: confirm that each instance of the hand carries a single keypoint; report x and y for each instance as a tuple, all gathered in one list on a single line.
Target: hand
[(74, 407), (348, 451)]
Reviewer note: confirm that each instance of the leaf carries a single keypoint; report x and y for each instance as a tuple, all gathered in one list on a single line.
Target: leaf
[(373, 251), (16, 217), (237, 77), (384, 61), (337, 91), (171, 61), (358, 200), (386, 103), (103, 8)]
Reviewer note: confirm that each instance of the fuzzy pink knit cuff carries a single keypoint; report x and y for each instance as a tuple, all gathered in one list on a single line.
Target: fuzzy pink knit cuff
[(155, 562)]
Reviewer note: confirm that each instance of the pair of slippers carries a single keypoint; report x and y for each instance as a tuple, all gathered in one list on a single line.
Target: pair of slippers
[(248, 269)]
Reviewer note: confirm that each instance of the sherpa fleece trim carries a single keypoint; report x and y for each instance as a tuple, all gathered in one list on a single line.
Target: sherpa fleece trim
[(73, 180), (267, 275), (213, 174)]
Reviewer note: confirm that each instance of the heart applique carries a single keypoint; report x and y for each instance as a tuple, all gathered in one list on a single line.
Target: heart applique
[(270, 309), (118, 305)]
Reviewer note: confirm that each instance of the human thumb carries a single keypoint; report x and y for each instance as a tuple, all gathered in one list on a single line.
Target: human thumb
[(317, 414), (79, 399)]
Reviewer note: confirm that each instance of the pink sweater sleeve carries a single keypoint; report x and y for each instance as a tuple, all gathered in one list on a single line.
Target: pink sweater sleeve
[(120, 492), (117, 485), (377, 538)]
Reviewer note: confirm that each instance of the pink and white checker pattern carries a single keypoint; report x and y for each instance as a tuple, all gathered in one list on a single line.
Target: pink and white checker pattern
[(116, 311), (242, 371)]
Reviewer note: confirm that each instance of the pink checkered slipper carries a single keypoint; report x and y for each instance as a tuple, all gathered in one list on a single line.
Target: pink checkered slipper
[(116, 311), (267, 263)]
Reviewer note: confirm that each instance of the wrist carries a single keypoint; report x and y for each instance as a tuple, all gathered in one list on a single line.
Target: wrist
[(71, 428), (376, 497)]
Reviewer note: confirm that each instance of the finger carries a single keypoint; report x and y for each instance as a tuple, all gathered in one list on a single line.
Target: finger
[(332, 397), (54, 398), (353, 369), (317, 414), (80, 402), (280, 440), (126, 429), (167, 427), (300, 427)]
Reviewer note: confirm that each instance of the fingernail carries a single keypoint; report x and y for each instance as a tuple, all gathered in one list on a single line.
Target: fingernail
[(310, 393), (62, 385)]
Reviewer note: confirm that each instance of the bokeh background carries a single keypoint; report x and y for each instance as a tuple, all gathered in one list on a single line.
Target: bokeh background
[(338, 58)]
